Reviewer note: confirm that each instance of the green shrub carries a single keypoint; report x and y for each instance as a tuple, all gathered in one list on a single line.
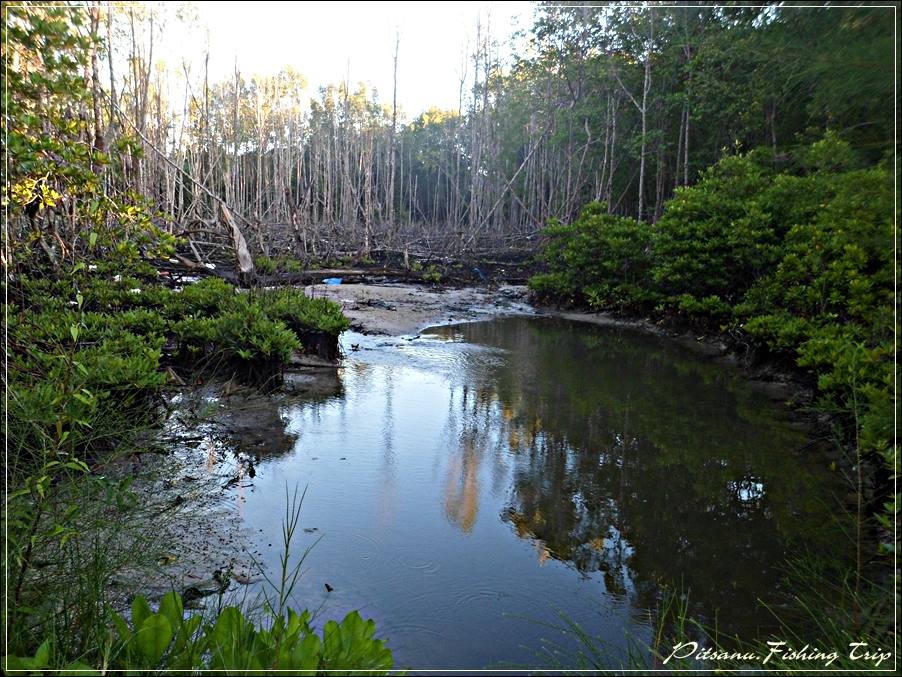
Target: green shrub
[(265, 265), (716, 238), (291, 265), (554, 286), (301, 313), (248, 335), (433, 274), (600, 259), (78, 396), (207, 296), (710, 306), (245, 335), (104, 295), (194, 335)]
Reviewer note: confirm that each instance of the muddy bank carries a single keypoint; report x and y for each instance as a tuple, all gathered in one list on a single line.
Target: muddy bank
[(192, 531), (401, 309)]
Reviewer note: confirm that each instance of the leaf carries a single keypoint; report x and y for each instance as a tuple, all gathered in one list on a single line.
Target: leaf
[(227, 626), (140, 611), (78, 464), (87, 401), (171, 606), (18, 663), (154, 636), (307, 654), (42, 655), (122, 628)]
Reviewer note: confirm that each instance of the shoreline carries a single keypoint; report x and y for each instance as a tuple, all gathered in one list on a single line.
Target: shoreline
[(403, 309)]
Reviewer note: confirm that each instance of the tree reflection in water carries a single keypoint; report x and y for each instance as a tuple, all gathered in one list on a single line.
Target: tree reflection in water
[(632, 457)]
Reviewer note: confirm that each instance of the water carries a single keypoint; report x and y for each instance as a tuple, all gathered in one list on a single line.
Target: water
[(468, 487)]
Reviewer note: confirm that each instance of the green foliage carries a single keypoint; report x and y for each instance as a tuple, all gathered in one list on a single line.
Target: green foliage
[(169, 640), (600, 259), (290, 265), (301, 313), (77, 376), (249, 335), (87, 348), (433, 274), (797, 263), (829, 302), (555, 286), (716, 238), (205, 297), (57, 159), (265, 265)]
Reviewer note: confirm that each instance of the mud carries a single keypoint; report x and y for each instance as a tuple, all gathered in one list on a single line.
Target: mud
[(404, 309)]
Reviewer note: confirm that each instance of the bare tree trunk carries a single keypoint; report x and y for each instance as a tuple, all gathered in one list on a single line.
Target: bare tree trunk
[(95, 77), (646, 87), (394, 130)]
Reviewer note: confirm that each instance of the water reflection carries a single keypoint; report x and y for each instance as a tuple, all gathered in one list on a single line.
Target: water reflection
[(631, 457), (492, 473)]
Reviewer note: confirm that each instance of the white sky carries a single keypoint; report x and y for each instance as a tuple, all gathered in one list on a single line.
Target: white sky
[(325, 41)]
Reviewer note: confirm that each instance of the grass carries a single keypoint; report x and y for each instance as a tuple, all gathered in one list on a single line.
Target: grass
[(832, 622)]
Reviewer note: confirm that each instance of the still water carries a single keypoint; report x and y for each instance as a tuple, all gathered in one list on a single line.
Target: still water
[(472, 486)]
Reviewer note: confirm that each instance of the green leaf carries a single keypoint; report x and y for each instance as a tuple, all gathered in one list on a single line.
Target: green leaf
[(227, 626), (171, 607), (307, 654), (83, 399), (122, 628), (140, 611), (154, 636), (42, 655)]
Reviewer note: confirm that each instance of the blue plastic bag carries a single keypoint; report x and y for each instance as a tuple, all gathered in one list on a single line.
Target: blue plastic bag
[(332, 280)]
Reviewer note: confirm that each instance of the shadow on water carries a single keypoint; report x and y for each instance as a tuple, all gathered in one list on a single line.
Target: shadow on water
[(488, 475)]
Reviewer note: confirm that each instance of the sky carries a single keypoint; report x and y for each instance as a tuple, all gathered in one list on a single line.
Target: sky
[(327, 41)]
